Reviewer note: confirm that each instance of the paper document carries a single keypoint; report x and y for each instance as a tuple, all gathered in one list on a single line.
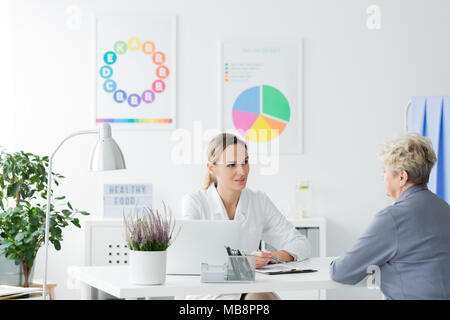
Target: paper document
[(10, 290), (277, 267)]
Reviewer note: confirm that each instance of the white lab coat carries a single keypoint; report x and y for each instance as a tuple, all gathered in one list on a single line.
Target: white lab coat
[(258, 216)]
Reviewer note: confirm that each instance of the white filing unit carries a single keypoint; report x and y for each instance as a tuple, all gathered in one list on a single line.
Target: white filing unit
[(105, 243), (315, 230), (105, 246)]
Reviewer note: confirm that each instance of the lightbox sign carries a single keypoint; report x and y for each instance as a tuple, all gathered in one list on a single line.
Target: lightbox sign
[(124, 198)]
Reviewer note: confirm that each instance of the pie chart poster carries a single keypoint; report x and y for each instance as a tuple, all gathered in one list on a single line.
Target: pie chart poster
[(262, 91), (135, 71)]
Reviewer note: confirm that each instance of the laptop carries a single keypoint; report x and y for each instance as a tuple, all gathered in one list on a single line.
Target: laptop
[(201, 241)]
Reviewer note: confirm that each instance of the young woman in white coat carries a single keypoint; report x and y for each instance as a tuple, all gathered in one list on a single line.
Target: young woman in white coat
[(225, 196)]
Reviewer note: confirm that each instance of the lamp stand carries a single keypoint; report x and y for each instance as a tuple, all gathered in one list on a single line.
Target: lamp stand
[(49, 197)]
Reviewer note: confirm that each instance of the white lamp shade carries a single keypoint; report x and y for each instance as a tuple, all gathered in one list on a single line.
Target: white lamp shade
[(106, 154)]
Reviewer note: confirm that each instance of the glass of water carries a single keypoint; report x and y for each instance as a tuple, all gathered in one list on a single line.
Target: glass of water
[(303, 198)]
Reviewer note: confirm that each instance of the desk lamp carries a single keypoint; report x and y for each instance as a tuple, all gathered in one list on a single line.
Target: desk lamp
[(106, 155)]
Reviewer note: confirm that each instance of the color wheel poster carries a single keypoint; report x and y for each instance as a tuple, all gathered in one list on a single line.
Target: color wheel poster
[(135, 71), (262, 95)]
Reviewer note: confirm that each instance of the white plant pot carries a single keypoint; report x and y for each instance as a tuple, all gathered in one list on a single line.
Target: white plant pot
[(148, 267)]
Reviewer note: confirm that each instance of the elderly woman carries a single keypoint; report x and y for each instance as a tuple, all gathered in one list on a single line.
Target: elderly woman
[(409, 241)]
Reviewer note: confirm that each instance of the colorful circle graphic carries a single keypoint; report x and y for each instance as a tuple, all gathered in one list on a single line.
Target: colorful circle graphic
[(134, 100), (134, 44), (110, 57), (148, 96), (106, 72), (148, 47), (110, 86), (120, 96), (162, 72), (120, 47), (158, 58), (158, 86)]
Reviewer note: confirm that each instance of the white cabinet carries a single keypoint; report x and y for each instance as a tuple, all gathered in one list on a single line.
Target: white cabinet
[(105, 246)]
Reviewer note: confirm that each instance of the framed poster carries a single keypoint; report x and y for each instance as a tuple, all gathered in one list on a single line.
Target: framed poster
[(135, 71), (261, 85)]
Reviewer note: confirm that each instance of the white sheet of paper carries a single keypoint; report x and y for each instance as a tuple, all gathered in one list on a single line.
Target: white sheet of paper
[(9, 290), (276, 267)]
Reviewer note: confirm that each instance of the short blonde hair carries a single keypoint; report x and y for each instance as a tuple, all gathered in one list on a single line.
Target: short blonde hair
[(215, 149), (410, 152)]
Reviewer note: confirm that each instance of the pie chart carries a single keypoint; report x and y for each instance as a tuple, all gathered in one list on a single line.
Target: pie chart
[(261, 113)]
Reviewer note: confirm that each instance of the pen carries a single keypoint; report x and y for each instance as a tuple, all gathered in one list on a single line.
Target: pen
[(234, 265), (246, 265), (228, 250), (276, 259)]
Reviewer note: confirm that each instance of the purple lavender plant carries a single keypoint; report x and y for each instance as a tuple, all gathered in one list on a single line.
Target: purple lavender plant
[(149, 231)]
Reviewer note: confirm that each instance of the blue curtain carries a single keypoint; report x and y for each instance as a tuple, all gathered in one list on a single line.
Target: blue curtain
[(430, 116)]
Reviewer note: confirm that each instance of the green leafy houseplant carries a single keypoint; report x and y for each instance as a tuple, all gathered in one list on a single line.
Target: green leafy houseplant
[(23, 194)]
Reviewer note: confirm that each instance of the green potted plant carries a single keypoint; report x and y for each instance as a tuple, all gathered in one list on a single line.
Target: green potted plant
[(23, 194), (148, 235)]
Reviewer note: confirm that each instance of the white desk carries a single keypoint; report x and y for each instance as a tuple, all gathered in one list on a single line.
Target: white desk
[(115, 281)]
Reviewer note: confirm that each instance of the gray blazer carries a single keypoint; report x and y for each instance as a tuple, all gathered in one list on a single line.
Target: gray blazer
[(410, 242)]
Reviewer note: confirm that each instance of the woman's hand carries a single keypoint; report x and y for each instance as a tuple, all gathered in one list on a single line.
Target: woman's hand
[(262, 258), (282, 255)]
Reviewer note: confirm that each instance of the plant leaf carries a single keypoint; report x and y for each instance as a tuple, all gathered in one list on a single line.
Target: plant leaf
[(13, 189), (76, 222), (57, 245), (5, 246), (20, 236)]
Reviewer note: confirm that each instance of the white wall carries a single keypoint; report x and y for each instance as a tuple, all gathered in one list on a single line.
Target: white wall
[(356, 84)]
